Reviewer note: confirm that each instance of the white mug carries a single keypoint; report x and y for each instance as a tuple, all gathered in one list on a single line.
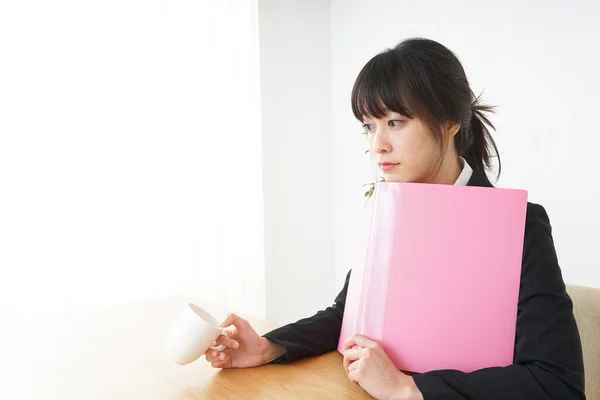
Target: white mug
[(192, 334)]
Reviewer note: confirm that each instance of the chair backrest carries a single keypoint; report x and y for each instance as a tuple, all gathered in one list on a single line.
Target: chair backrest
[(586, 307)]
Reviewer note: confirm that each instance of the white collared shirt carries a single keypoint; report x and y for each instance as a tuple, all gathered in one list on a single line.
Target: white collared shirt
[(465, 174)]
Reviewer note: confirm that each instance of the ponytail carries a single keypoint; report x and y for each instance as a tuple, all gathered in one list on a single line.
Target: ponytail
[(476, 143)]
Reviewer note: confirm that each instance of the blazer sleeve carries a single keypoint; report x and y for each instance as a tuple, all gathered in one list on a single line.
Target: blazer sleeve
[(548, 361), (312, 336)]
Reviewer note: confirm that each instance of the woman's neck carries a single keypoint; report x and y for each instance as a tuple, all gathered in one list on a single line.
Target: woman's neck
[(449, 170)]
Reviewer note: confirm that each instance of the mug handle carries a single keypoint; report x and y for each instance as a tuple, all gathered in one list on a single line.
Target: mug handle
[(220, 347)]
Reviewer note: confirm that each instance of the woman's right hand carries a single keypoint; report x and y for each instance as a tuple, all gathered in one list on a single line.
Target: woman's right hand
[(245, 347)]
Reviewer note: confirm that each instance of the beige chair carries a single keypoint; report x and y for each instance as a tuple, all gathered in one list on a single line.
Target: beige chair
[(586, 306)]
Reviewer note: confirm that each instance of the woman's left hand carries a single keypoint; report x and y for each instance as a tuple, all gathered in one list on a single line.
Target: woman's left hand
[(367, 364)]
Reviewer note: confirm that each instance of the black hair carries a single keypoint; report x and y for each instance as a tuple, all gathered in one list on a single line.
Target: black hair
[(422, 78)]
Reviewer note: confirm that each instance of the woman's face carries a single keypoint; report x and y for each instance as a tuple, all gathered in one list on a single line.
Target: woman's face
[(404, 148)]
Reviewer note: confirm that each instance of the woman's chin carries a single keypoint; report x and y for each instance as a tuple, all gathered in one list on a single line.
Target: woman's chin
[(393, 178)]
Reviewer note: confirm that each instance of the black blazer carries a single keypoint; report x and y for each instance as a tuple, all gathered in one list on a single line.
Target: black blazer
[(548, 361)]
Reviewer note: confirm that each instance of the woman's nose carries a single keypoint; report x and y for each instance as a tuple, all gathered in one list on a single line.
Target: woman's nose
[(380, 143)]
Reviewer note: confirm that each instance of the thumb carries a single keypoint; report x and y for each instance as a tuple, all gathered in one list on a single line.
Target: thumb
[(232, 319)]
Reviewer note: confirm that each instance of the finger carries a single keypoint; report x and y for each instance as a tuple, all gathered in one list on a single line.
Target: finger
[(215, 355), (358, 340), (233, 319), (227, 341), (350, 356), (219, 358), (353, 366), (217, 364), (211, 355), (228, 321), (353, 354), (354, 375)]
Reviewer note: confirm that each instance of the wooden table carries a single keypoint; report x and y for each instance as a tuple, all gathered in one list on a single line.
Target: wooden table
[(118, 353)]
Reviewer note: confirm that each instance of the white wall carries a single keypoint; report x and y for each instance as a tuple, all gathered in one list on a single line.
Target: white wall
[(115, 136), (295, 102), (538, 63)]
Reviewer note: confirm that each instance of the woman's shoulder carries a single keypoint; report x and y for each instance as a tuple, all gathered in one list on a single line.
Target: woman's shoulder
[(537, 223), (538, 248), (536, 214)]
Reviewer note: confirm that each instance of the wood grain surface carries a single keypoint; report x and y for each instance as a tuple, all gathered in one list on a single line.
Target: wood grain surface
[(117, 352)]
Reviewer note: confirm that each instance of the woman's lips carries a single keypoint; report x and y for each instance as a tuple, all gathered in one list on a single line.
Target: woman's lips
[(386, 166)]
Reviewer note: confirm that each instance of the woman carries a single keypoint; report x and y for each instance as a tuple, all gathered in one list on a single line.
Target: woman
[(424, 124)]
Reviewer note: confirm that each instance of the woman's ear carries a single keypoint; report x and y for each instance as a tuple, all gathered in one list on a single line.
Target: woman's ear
[(452, 128)]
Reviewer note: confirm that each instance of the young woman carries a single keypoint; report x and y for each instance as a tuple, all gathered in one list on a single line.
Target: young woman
[(424, 124)]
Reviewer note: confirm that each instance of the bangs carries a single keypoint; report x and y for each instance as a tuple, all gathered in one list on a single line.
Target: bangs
[(382, 87)]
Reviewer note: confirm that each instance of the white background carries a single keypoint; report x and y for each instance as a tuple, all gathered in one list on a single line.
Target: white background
[(296, 122), (119, 144), (130, 154), (538, 63)]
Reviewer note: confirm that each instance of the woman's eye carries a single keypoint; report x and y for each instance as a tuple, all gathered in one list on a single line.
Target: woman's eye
[(395, 122), (368, 128)]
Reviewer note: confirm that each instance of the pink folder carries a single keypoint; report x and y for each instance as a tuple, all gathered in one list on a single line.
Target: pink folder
[(440, 284)]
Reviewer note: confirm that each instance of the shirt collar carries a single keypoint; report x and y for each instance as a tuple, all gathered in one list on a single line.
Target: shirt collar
[(465, 175)]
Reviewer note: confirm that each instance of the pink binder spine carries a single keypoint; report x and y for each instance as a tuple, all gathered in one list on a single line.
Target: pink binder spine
[(356, 294), (375, 280)]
